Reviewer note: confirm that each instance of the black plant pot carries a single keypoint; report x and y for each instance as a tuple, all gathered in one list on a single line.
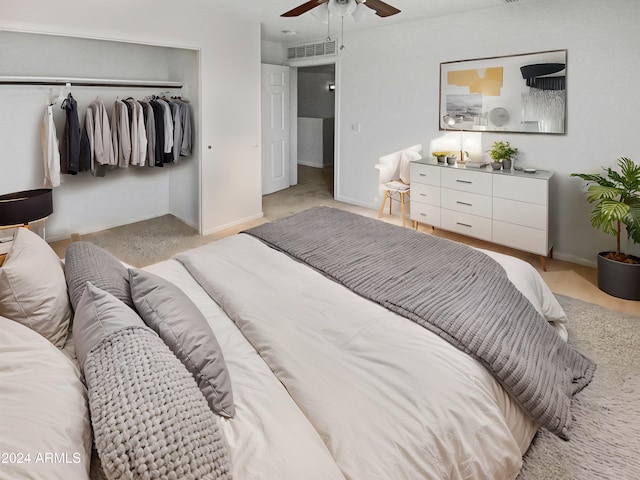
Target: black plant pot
[(619, 279)]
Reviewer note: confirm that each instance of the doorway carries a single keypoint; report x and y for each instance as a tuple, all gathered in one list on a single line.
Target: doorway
[(316, 126)]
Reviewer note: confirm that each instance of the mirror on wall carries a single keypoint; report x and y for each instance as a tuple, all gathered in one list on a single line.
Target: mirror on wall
[(523, 93)]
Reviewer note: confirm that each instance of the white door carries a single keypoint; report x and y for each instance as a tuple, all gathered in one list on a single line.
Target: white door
[(275, 128)]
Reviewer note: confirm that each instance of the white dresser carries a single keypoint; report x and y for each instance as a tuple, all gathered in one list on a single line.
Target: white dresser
[(503, 207)]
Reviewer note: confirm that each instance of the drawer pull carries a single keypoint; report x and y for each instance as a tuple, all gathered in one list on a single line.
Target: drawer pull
[(464, 203), (423, 174), (423, 214), (423, 194), (464, 181), (464, 224)]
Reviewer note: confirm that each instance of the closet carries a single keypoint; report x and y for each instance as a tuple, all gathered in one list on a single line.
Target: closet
[(46, 68)]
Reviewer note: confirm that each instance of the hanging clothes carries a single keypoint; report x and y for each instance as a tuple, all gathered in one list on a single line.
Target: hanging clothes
[(120, 133), (158, 114), (85, 151), (142, 133), (70, 145), (138, 132), (149, 132), (50, 152), (168, 131), (187, 131), (134, 159), (177, 130), (99, 133), (87, 144), (150, 127)]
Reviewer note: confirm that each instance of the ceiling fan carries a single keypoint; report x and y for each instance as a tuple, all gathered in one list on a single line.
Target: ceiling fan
[(381, 8)]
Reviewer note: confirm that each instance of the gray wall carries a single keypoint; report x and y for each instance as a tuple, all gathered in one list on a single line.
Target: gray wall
[(314, 98)]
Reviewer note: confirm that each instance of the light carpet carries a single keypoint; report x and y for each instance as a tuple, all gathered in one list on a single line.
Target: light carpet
[(605, 435)]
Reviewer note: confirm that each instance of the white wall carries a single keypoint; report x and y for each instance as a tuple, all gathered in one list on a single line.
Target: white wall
[(229, 117), (272, 52), (389, 81)]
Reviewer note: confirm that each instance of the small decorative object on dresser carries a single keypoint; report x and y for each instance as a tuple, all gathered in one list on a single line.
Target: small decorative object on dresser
[(441, 156), (502, 154), (617, 202)]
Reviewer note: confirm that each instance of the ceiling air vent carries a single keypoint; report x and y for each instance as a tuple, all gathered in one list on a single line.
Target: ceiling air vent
[(311, 50)]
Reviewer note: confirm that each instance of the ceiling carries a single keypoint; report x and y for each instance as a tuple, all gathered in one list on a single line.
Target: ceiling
[(309, 28)]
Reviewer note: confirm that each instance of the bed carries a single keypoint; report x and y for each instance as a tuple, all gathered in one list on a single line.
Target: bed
[(328, 384)]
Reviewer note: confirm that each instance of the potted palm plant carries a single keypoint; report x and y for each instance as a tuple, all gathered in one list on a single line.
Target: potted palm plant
[(616, 197), (502, 153)]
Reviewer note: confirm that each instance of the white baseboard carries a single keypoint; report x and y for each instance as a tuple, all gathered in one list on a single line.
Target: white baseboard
[(186, 222), (227, 226), (567, 257), (107, 226), (352, 201)]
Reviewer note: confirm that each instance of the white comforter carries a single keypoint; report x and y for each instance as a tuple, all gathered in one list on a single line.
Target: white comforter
[(369, 394), (269, 438)]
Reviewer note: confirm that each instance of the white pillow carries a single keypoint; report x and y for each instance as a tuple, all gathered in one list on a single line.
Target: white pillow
[(406, 158), (33, 289), (45, 432)]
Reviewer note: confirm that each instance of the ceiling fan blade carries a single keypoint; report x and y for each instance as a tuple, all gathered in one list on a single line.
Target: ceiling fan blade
[(382, 9), (304, 8)]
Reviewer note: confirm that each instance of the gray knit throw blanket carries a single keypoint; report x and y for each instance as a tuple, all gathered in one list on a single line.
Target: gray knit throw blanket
[(450, 289), (149, 418)]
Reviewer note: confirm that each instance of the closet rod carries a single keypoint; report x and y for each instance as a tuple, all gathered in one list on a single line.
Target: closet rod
[(88, 82)]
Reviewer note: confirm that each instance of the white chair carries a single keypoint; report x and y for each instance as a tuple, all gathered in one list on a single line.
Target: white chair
[(394, 177)]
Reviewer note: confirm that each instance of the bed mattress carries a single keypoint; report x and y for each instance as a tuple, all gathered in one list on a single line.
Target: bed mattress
[(330, 385)]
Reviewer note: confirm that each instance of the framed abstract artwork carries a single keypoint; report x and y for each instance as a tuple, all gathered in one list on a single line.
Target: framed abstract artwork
[(525, 93)]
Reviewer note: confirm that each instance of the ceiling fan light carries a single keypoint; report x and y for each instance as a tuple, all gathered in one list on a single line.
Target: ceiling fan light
[(342, 8), (362, 12)]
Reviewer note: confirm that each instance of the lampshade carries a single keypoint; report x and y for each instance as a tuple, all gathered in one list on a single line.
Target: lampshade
[(27, 206), (342, 8)]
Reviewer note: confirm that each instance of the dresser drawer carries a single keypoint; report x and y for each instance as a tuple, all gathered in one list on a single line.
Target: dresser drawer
[(427, 174), (529, 190), (471, 225), (423, 213), (466, 202), (523, 238), (520, 213), (467, 181), (425, 194)]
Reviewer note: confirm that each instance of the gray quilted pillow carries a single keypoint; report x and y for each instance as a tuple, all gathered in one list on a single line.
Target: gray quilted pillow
[(172, 315), (86, 262), (148, 416)]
